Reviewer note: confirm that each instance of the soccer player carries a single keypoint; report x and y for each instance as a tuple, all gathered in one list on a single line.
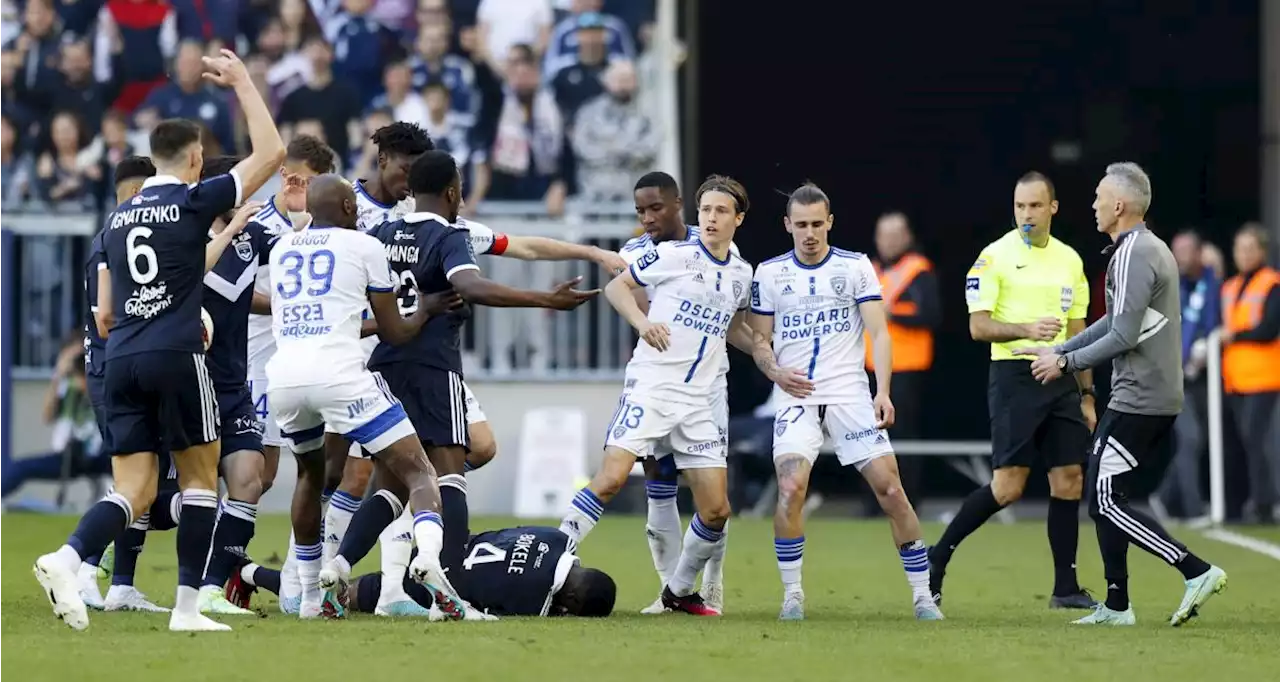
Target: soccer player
[(305, 158), (813, 303), (324, 277), (130, 173), (660, 210), (428, 254), (158, 391), (524, 571), (700, 292), (1141, 337), (1023, 288)]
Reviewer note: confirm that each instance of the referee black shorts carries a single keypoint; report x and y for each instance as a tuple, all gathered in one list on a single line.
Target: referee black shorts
[(1034, 423)]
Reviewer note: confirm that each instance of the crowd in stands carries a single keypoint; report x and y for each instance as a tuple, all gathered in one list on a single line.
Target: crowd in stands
[(537, 99)]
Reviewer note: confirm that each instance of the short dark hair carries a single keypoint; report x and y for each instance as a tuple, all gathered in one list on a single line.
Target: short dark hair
[(524, 53), (218, 165), (726, 184), (432, 173), (312, 152), (171, 137), (659, 180), (1036, 176), (406, 139), (134, 167), (808, 194), (595, 594)]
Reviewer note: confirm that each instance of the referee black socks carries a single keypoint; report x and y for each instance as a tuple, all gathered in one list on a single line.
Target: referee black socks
[(979, 506), (1064, 538)]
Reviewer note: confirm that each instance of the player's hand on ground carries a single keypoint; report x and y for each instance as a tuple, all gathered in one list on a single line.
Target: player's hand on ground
[(656, 334), (793, 382), (225, 70), (1045, 368), (885, 414), (565, 297), (243, 214), (1043, 329), (440, 302), (610, 261)]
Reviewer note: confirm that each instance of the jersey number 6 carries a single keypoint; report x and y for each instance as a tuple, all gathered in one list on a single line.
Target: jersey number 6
[(319, 273), (136, 251)]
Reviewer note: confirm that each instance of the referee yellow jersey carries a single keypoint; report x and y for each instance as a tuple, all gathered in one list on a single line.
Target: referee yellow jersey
[(1018, 283)]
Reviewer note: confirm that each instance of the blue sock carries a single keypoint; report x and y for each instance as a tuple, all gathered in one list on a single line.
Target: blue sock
[(230, 540), (101, 524), (790, 554), (195, 534), (371, 518), (915, 560), (584, 514), (128, 547), (325, 496)]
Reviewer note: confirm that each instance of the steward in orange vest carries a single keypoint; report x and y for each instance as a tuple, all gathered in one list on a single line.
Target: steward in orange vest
[(1251, 332), (910, 291)]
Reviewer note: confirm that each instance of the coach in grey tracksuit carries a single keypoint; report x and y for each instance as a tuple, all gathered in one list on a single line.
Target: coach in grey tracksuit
[(1141, 334)]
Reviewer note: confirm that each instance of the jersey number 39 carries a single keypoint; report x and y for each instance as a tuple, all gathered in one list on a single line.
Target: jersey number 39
[(318, 273)]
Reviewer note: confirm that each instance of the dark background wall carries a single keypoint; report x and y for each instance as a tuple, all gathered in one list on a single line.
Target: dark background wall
[(936, 107)]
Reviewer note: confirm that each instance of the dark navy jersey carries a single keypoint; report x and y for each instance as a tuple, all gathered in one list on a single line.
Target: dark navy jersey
[(95, 348), (514, 571), (228, 295), (425, 251), (155, 251)]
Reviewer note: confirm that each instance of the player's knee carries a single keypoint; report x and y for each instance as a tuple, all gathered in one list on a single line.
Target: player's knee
[(1006, 492), (1066, 483), (140, 494), (716, 515), (482, 453), (606, 486), (893, 499), (792, 489)]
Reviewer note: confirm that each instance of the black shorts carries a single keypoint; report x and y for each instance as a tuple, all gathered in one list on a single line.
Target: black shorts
[(1033, 423), (1130, 455), (241, 429), (159, 401), (434, 400), (97, 398)]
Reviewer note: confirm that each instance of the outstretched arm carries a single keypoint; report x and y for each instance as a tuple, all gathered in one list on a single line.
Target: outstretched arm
[(1132, 320), (545, 248)]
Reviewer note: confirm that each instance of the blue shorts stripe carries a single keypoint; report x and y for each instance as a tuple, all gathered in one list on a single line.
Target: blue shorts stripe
[(369, 431), (306, 435)]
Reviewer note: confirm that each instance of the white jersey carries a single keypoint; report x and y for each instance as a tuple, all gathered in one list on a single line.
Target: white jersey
[(816, 324), (370, 213), (261, 344), (696, 296), (638, 246), (323, 276)]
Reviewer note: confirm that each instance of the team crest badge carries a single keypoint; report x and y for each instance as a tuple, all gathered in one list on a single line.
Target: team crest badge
[(1068, 297), (780, 427), (245, 251), (737, 290), (839, 285), (619, 432)]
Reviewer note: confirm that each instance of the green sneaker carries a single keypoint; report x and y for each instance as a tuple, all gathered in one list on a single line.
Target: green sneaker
[(212, 600), (1104, 616), (1199, 589)]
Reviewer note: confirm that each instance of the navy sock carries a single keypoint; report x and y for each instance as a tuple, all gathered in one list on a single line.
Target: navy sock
[(195, 533), (230, 538), (166, 510), (266, 578), (456, 517), (979, 506), (128, 547), (101, 524), (374, 515)]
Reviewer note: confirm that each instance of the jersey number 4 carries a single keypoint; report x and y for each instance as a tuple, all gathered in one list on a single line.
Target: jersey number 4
[(483, 553), (319, 273)]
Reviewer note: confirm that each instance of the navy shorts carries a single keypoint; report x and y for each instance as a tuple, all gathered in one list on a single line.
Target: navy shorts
[(159, 401), (241, 429), (434, 400)]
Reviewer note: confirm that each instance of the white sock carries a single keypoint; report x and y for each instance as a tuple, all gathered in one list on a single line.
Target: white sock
[(246, 574), (915, 561), (69, 558), (309, 573), (790, 553), (342, 506), (187, 601), (396, 543), (714, 572), (699, 544), (290, 586), (428, 534), (662, 528), (584, 514)]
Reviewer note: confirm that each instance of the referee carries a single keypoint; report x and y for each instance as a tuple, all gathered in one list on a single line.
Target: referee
[(1142, 337), (1028, 288)]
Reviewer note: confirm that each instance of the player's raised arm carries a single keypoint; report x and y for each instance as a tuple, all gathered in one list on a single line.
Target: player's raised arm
[(268, 149)]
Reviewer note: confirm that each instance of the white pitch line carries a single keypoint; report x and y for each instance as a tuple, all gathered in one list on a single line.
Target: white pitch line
[(1247, 542)]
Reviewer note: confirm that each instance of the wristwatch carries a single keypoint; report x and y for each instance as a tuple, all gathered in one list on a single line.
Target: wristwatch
[(1062, 364)]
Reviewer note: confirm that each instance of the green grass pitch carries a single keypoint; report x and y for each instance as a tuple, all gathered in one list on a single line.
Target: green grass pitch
[(860, 625)]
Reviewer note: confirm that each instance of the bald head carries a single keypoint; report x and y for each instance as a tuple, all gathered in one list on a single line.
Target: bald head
[(331, 201)]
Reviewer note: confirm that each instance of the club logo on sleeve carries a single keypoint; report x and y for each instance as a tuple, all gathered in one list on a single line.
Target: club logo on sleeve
[(649, 258), (839, 285), (755, 294)]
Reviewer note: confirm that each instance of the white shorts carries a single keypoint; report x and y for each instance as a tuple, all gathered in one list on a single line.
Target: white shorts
[(475, 415), (719, 411), (262, 408), (360, 408), (798, 430), (642, 426), (367, 344)]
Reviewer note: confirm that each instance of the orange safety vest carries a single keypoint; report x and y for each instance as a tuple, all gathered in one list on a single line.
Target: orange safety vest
[(1249, 366), (912, 346)]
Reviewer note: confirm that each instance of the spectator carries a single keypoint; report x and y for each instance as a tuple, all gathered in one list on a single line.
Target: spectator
[(361, 47), (109, 148), (503, 24), (25, 121), (216, 22), (366, 163), (640, 15), (405, 104), (286, 65), (188, 97), (562, 51), (61, 179), (432, 64), (396, 15), (36, 47), (446, 127), (77, 90), (297, 23), (331, 99), (579, 83), (146, 31), (16, 173), (525, 160), (614, 140)]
